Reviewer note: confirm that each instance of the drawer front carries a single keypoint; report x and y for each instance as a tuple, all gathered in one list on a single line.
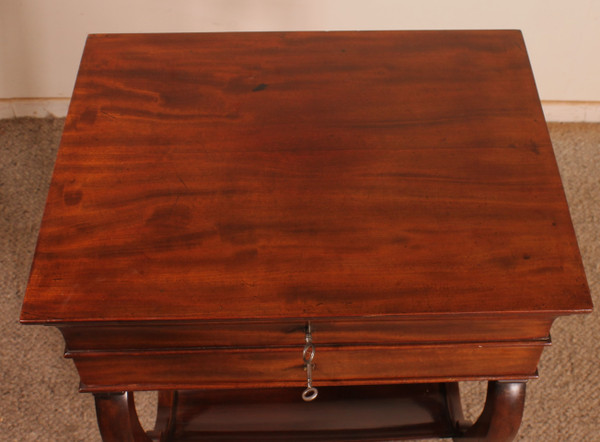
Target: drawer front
[(277, 367), (480, 328)]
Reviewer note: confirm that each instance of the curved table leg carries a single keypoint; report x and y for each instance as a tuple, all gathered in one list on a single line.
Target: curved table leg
[(117, 418), (501, 415), (454, 407), (165, 415)]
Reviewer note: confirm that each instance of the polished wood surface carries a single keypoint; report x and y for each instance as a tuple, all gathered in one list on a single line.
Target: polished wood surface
[(428, 330), (357, 413), (218, 196), (304, 175), (501, 415), (117, 418), (339, 365), (342, 413)]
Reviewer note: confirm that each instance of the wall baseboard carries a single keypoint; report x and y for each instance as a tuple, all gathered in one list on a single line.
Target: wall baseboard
[(572, 111), (34, 107), (554, 111)]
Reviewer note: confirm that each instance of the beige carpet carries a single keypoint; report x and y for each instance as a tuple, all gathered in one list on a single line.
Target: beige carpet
[(38, 392)]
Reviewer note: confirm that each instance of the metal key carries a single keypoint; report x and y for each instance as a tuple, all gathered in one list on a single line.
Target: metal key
[(308, 354)]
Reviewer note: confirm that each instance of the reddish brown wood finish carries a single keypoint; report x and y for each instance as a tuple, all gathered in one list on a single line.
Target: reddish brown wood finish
[(342, 365), (502, 413), (341, 413), (311, 174), (165, 416), (412, 330), (215, 192), (117, 418)]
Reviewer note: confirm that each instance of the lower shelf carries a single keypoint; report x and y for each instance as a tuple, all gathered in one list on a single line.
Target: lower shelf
[(338, 413), (383, 412)]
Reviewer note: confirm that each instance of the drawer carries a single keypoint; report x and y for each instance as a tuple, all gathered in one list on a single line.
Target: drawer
[(410, 330), (283, 367)]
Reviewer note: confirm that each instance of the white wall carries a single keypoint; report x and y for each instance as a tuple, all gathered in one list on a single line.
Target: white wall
[(41, 40)]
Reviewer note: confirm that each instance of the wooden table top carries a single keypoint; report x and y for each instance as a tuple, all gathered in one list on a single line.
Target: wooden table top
[(304, 175)]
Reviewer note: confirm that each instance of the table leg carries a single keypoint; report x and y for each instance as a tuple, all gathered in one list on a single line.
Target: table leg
[(501, 415), (165, 416), (454, 407), (117, 418)]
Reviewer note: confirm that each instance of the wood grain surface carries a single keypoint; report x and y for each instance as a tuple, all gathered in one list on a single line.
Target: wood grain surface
[(283, 367), (414, 330), (304, 175), (339, 414)]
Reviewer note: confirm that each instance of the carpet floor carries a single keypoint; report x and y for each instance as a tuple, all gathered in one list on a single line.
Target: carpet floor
[(38, 390)]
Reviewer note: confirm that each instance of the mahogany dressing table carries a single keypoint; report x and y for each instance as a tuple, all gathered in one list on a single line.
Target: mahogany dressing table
[(244, 221)]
